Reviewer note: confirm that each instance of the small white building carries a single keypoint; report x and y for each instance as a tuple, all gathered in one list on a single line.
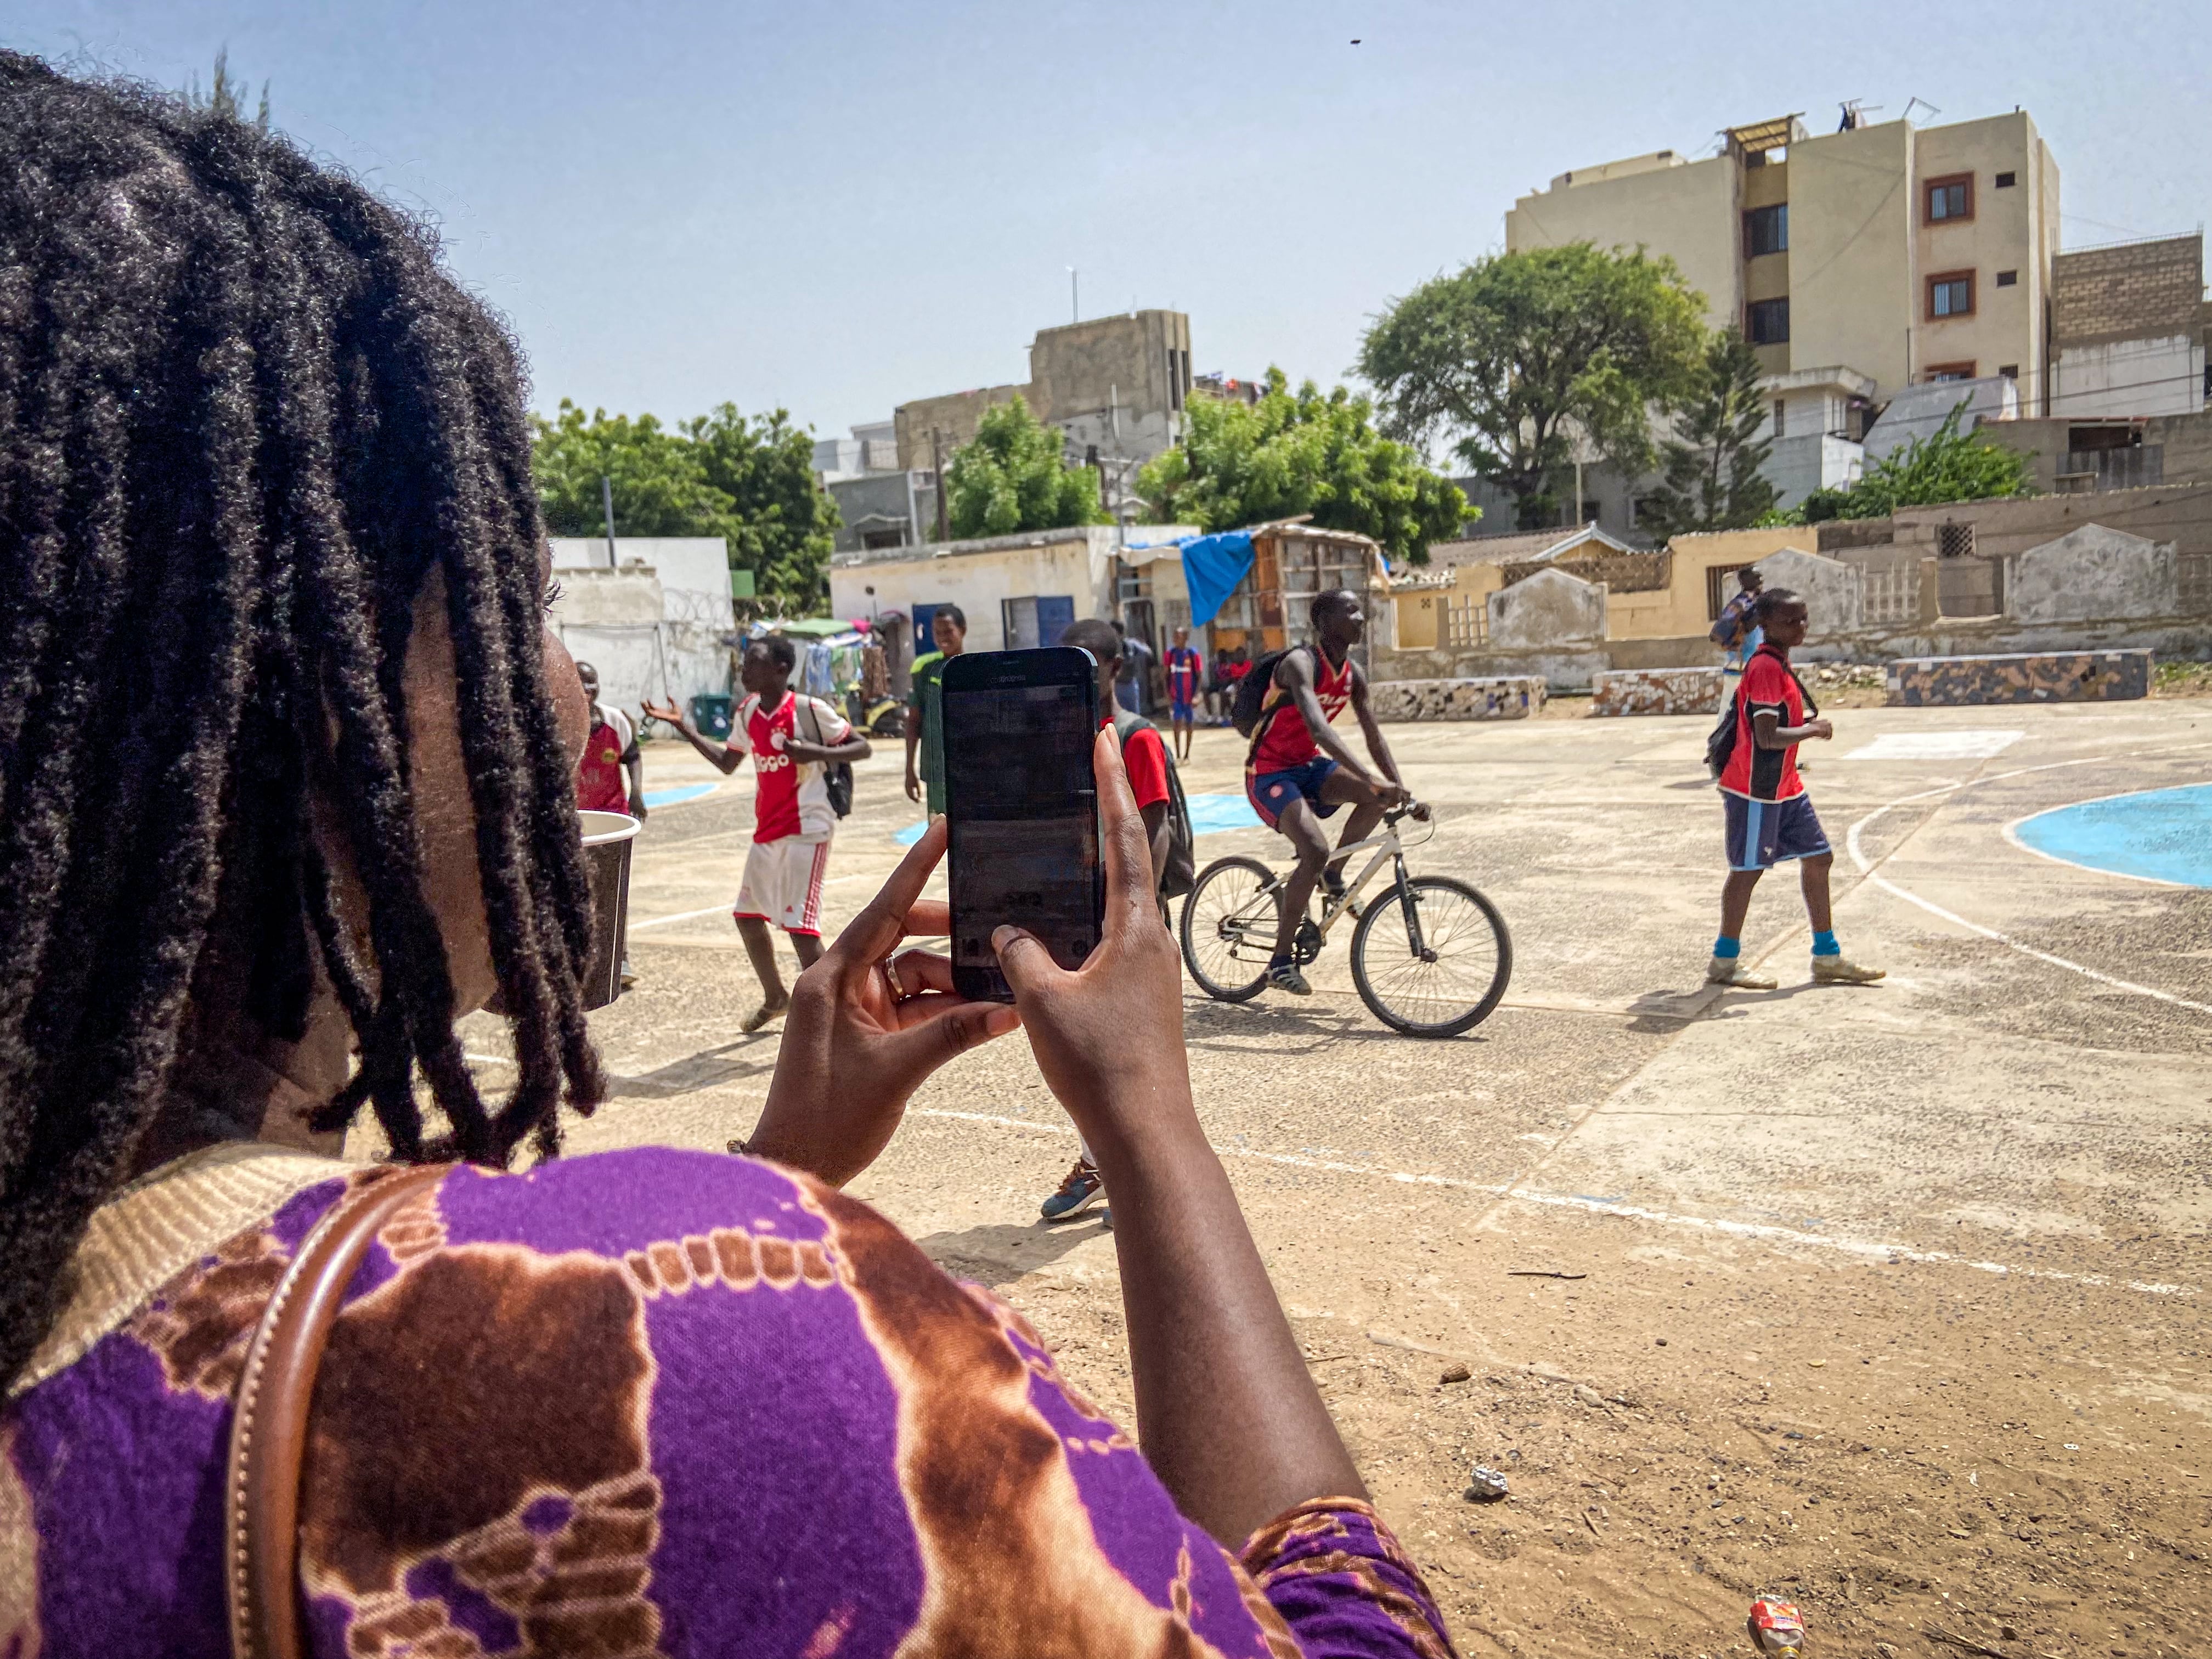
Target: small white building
[(654, 617)]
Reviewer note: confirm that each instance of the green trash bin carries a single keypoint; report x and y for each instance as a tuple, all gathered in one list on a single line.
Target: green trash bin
[(711, 712)]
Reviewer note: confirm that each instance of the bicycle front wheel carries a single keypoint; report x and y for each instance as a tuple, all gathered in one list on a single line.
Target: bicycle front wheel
[(1228, 926), (1455, 977)]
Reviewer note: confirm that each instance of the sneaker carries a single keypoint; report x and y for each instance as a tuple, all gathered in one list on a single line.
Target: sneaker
[(1078, 1192), (1842, 970), (1286, 976), (1739, 975)]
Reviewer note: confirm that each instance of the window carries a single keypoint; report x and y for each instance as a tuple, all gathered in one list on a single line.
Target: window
[(2011, 371), (1767, 322), (1766, 230), (1954, 541), (2004, 182), (1779, 407), (1950, 294), (2008, 279), (1950, 199), (1938, 372)]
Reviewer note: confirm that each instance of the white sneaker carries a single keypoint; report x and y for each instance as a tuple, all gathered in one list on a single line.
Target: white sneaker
[(1736, 972), (1842, 970)]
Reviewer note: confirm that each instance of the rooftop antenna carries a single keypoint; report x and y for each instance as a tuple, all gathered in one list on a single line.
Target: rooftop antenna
[(1923, 104), (1855, 113), (1074, 296)]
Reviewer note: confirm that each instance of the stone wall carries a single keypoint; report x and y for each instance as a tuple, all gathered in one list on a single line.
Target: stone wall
[(1655, 691), (2092, 573), (1549, 610), (1834, 593), (1509, 698), (2048, 677)]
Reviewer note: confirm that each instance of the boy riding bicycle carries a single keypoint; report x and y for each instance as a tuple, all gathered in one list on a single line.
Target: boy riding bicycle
[(1300, 771)]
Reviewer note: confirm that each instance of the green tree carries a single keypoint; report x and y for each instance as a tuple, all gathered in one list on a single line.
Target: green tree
[(1947, 465), (1013, 476), (1713, 460), (781, 516), (660, 477), (228, 97), (1245, 464), (1518, 355)]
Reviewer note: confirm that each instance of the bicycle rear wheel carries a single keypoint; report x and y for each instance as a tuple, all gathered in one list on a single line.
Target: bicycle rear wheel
[(1458, 974), (1229, 925)]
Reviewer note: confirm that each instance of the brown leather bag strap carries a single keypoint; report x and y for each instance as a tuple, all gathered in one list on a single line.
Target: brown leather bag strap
[(269, 1432)]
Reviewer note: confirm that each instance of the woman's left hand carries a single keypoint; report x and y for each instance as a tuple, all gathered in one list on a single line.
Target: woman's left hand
[(866, 1027)]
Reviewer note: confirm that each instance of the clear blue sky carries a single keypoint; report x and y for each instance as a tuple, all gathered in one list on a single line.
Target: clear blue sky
[(837, 208)]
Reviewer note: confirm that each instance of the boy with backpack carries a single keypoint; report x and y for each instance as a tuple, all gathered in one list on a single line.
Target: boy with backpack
[(1300, 772), (1770, 820), (1158, 789), (797, 743)]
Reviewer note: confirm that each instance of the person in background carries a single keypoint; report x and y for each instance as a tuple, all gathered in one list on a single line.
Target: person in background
[(1129, 688), (559, 1409), (610, 753), (1145, 757), (1736, 631), (792, 819), (1219, 688), (1185, 667), (925, 725), (1769, 817)]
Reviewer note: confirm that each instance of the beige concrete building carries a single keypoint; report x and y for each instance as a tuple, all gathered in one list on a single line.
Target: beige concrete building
[(1117, 385), (1885, 251)]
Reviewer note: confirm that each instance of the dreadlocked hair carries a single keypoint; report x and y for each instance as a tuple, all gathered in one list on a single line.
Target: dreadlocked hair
[(245, 419)]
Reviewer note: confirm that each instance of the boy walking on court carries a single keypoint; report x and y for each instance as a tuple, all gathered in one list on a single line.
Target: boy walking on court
[(1183, 672), (1770, 820), (792, 818), (1146, 758), (925, 719)]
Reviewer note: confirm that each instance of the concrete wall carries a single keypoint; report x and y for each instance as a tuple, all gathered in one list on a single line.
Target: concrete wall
[(1796, 466), (2185, 442), (1547, 610), (978, 576), (2131, 290), (2122, 378), (1834, 593), (874, 504), (2091, 573), (1851, 250), (1687, 212), (953, 416), (646, 639)]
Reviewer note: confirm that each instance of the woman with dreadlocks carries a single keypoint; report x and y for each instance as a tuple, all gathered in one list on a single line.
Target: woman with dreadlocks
[(286, 774)]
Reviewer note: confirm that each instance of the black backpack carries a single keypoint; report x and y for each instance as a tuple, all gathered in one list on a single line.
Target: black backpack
[(1721, 744), (1252, 692), (837, 776), (1178, 878)]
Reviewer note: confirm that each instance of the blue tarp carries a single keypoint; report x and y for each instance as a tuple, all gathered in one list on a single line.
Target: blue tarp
[(1212, 567)]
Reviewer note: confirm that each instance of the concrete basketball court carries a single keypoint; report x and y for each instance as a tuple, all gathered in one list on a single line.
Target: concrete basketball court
[(1892, 1298)]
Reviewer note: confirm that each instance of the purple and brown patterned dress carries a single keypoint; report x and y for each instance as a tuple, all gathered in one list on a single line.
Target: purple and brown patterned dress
[(650, 1402)]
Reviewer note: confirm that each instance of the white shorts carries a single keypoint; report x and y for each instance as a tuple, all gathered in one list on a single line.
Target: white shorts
[(783, 884)]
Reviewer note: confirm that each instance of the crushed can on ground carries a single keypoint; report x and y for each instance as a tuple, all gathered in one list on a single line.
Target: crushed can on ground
[(1777, 1628), (1485, 1485)]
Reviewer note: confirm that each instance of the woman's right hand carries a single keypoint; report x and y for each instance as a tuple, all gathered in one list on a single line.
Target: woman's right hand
[(1109, 1037)]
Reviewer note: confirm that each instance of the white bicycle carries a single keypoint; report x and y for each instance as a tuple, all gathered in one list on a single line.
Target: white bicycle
[(1431, 956)]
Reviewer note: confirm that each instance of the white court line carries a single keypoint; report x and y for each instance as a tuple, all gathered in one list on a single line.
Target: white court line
[(1867, 868), (1859, 1248), (681, 915)]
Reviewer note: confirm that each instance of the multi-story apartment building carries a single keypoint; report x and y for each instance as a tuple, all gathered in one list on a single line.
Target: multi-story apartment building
[(1901, 253)]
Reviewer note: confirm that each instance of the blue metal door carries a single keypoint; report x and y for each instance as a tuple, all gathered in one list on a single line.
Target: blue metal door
[(1054, 612)]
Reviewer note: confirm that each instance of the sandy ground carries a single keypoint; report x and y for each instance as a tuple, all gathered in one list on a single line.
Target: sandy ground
[(1891, 1300)]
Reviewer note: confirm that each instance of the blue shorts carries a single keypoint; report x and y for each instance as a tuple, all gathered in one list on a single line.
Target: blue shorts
[(1270, 793), (1762, 834), (1179, 709)]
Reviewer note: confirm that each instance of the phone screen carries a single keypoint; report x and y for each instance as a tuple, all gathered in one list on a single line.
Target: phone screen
[(1022, 808)]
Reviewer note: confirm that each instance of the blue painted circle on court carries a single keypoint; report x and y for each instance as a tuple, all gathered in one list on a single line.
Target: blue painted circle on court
[(2159, 835), (678, 795)]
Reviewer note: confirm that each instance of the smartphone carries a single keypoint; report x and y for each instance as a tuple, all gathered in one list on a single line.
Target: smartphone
[(1021, 808)]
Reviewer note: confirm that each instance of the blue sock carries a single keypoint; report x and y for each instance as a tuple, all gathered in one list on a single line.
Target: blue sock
[(1824, 944), (1727, 949)]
